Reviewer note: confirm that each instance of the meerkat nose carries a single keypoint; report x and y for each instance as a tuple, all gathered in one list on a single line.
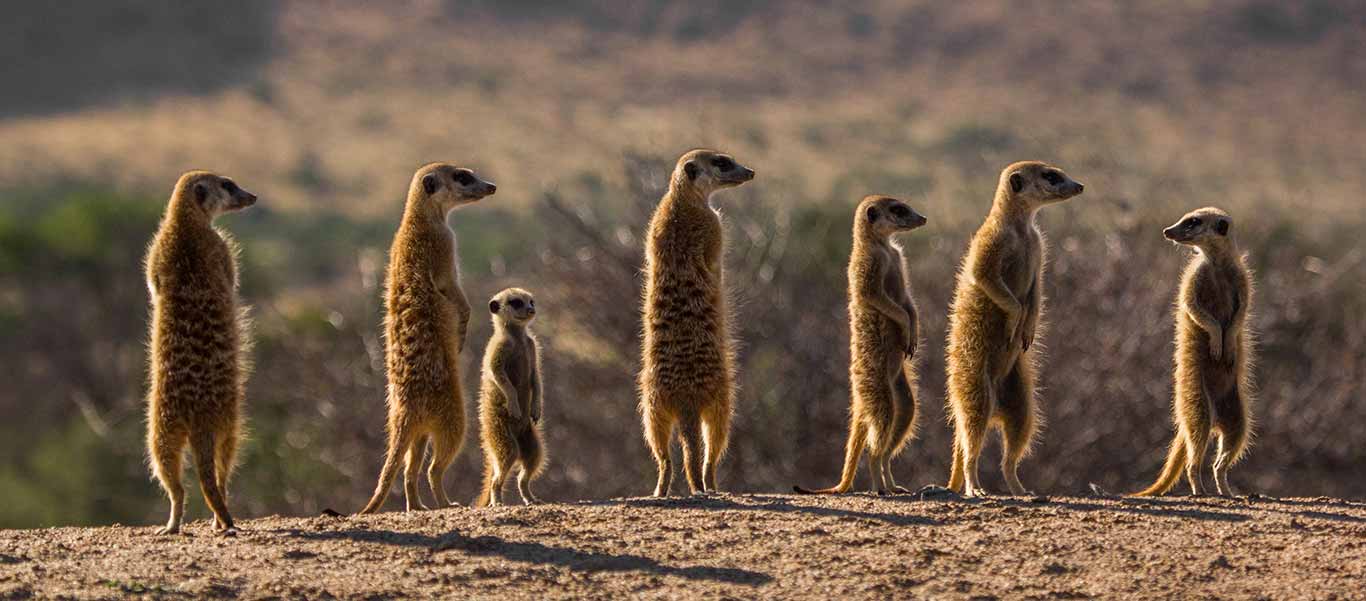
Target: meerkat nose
[(492, 188)]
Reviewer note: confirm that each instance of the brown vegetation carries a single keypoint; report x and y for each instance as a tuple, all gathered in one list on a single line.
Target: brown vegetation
[(1159, 109)]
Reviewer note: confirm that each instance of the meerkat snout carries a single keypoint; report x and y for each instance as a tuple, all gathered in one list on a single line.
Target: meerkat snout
[(887, 215), (223, 196), (516, 308), (712, 170), (907, 217), (1199, 225), (454, 186)]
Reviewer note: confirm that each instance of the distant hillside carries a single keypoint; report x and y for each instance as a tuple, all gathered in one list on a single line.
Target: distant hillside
[(334, 103)]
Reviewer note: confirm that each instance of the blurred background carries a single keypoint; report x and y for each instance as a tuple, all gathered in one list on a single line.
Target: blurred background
[(577, 110)]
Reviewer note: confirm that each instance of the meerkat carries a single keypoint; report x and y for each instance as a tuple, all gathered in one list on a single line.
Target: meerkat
[(199, 339), (1214, 354), (993, 322), (883, 334), (687, 375), (511, 399), (425, 319)]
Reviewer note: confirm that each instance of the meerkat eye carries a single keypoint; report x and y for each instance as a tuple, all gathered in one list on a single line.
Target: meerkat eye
[(1193, 221), (900, 210), (723, 163), (531, 303), (1052, 177), (464, 178), (229, 186), (516, 303)]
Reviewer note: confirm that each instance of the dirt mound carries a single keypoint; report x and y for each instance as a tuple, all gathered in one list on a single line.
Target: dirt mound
[(729, 546)]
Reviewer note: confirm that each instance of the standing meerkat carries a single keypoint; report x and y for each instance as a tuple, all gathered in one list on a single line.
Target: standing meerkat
[(687, 374), (993, 322), (883, 333), (425, 317), (1214, 354), (511, 399), (199, 343)]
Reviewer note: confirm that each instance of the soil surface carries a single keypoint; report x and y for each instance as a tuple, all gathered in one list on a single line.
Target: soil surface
[(728, 546)]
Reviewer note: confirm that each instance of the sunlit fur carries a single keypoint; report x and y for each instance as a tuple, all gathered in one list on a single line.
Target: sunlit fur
[(511, 399), (687, 375), (993, 322), (425, 318), (883, 335), (199, 344), (1214, 355)]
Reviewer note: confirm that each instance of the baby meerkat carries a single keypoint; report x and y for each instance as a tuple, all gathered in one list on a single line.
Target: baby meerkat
[(993, 321), (425, 316), (883, 332), (511, 399), (198, 345), (687, 375), (1214, 354)]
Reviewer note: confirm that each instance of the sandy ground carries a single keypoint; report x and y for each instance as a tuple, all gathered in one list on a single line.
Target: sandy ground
[(729, 546)]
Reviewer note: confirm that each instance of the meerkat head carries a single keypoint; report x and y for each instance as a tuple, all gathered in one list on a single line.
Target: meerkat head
[(884, 216), (212, 194), (1037, 184), (449, 187), (708, 171), (1201, 228), (513, 306)]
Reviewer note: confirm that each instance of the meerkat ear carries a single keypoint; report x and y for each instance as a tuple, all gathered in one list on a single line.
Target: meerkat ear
[(691, 170), (201, 193), (872, 214), (494, 306), (1221, 226), (1016, 183), (429, 183)]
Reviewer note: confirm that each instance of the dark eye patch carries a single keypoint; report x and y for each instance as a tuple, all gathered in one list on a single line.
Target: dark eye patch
[(1052, 177), (900, 210), (229, 186), (1193, 221), (723, 163), (463, 178), (516, 303)]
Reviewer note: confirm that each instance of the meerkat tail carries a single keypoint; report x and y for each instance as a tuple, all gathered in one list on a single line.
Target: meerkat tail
[(1176, 462), (397, 448), (858, 434)]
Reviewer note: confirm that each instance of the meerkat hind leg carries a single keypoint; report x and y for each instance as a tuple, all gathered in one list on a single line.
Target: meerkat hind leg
[(524, 487), (974, 432), (690, 434), (412, 468), (715, 434), (1220, 469), (530, 456), (202, 444), (167, 455), (1197, 440), (658, 432), (1017, 426), (444, 448), (902, 422), (224, 456)]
